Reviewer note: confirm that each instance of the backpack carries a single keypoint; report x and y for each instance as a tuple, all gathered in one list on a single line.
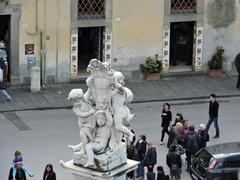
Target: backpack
[(191, 140), (132, 152)]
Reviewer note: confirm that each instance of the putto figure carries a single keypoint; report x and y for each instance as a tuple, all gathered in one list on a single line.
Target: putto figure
[(101, 112)]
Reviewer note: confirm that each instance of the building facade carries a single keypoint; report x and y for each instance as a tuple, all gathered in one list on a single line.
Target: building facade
[(61, 36)]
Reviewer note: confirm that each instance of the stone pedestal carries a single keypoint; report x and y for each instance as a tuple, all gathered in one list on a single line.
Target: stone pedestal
[(118, 173)]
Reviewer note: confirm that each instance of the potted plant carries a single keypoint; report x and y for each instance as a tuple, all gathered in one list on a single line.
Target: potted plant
[(152, 68), (215, 63)]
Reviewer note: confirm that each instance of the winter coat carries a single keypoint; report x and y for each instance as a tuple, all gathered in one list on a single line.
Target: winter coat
[(166, 118), (51, 176), (172, 135), (213, 109), (151, 157), (195, 147), (203, 138), (237, 61), (174, 158), (162, 176), (141, 149), (20, 174)]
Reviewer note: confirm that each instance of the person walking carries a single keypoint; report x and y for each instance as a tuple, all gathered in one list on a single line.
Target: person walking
[(49, 174), (192, 145), (141, 147), (237, 64), (174, 163), (213, 114), (160, 174), (150, 160), (166, 119)]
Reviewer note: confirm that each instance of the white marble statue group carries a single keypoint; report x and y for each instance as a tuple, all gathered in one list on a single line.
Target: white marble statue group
[(101, 112)]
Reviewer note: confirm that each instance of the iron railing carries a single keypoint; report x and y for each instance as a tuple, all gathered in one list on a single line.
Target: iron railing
[(91, 9)]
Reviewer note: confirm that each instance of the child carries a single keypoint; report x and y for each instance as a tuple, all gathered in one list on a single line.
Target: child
[(18, 159)]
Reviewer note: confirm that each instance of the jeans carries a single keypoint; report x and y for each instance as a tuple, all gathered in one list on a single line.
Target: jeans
[(140, 170), (189, 159), (5, 95), (210, 121)]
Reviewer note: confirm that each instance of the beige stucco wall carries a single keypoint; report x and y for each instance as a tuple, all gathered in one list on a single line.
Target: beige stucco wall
[(137, 32), (227, 36), (53, 20)]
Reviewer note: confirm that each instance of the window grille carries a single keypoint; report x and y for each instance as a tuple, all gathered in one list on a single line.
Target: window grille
[(91, 9), (183, 6)]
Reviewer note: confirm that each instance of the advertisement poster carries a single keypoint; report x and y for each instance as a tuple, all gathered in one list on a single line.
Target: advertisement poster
[(108, 46), (74, 55), (199, 46), (166, 39)]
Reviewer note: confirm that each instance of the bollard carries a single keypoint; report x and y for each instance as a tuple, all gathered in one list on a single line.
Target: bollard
[(35, 79)]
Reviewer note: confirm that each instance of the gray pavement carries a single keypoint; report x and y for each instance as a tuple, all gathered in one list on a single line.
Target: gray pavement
[(167, 89)]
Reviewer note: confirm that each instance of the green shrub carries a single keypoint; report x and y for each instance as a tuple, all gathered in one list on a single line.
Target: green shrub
[(151, 65), (217, 59)]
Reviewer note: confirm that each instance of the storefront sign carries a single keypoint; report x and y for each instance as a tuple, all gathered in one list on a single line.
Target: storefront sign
[(29, 49), (74, 54), (166, 39), (108, 46), (199, 46)]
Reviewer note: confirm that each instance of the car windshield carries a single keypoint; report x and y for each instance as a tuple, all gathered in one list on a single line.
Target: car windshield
[(204, 157)]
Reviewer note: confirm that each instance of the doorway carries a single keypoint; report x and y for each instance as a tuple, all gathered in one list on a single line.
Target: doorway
[(90, 45), (5, 39), (181, 43)]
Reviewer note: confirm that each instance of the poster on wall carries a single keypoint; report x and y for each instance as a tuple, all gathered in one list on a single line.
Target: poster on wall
[(74, 54), (199, 47), (108, 46), (166, 39)]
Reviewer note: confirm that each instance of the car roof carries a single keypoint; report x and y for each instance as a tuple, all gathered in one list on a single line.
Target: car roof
[(225, 149)]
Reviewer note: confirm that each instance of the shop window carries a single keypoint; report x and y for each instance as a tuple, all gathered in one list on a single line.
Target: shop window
[(183, 6), (91, 9)]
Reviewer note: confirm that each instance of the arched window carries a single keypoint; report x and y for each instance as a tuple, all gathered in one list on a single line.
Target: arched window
[(183, 6), (91, 9)]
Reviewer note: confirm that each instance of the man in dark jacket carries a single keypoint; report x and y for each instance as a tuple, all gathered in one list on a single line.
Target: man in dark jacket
[(141, 147), (20, 174), (192, 145), (213, 114), (150, 158), (237, 64), (174, 162)]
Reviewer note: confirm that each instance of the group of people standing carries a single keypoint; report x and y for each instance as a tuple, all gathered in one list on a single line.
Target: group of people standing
[(18, 171), (145, 152), (184, 139)]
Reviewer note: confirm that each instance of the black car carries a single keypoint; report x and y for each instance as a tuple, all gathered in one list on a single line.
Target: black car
[(217, 162)]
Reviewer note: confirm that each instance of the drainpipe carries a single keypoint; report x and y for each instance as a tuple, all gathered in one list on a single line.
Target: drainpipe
[(57, 41)]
